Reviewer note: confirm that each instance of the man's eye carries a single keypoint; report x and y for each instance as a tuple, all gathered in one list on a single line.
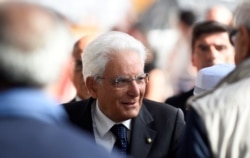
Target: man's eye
[(140, 78), (220, 47), (203, 48), (121, 80)]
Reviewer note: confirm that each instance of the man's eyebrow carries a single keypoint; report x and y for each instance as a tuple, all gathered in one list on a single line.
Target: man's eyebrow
[(220, 44), (203, 45)]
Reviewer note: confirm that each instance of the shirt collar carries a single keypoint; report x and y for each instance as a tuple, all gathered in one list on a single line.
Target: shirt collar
[(78, 98), (103, 123)]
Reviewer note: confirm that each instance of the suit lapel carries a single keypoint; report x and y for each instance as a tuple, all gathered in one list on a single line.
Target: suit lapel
[(142, 135)]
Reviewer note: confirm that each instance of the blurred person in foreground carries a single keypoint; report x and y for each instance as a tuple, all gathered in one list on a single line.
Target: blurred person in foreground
[(218, 124), (113, 70), (34, 66), (210, 46), (79, 84)]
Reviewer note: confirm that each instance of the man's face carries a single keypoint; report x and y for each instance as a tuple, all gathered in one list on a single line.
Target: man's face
[(212, 48), (121, 103), (78, 77), (241, 40)]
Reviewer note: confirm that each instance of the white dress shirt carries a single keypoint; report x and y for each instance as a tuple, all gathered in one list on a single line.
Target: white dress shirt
[(102, 125)]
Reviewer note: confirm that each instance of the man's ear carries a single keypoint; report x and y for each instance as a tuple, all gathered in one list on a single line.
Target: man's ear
[(91, 85)]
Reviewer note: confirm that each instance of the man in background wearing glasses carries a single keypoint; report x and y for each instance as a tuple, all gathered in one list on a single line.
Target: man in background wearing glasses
[(218, 125), (113, 72)]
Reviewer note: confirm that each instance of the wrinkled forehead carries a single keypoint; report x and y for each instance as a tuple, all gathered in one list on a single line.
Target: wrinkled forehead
[(127, 62)]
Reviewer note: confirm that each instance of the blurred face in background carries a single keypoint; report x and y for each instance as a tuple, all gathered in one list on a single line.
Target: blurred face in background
[(212, 48), (78, 81), (81, 90)]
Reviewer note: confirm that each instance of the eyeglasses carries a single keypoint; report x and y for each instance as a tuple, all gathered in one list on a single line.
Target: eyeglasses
[(123, 82), (232, 36)]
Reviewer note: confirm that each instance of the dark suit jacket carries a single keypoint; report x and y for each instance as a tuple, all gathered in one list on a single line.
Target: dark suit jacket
[(180, 101), (162, 123), (22, 137)]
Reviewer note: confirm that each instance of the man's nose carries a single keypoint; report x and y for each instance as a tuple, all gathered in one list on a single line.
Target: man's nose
[(133, 88), (213, 53)]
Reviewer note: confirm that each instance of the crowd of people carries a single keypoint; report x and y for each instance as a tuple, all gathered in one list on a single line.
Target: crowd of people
[(120, 108)]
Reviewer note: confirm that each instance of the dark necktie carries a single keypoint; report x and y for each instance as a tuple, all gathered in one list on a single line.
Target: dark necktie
[(120, 132)]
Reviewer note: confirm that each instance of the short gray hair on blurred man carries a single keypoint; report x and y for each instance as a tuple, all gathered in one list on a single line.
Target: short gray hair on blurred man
[(241, 15), (240, 35), (100, 50), (32, 49)]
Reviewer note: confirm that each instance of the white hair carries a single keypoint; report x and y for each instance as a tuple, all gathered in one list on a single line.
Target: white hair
[(241, 16), (99, 51), (40, 62)]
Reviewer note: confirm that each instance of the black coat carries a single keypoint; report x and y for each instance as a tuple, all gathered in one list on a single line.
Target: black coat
[(180, 101), (162, 123)]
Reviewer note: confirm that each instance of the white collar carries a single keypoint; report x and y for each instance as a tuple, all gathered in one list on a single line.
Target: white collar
[(103, 123), (78, 98)]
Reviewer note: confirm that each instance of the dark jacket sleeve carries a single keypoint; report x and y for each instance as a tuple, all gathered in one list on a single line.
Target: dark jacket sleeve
[(178, 132), (194, 141)]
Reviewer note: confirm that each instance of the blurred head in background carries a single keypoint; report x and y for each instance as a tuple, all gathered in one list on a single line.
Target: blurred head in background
[(78, 81), (220, 14), (186, 20), (240, 36), (211, 44)]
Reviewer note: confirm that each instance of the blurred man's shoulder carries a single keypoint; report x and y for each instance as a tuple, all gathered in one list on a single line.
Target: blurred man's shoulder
[(49, 140)]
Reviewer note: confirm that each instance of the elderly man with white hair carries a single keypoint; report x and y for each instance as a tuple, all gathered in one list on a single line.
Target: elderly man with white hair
[(218, 124), (117, 115)]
